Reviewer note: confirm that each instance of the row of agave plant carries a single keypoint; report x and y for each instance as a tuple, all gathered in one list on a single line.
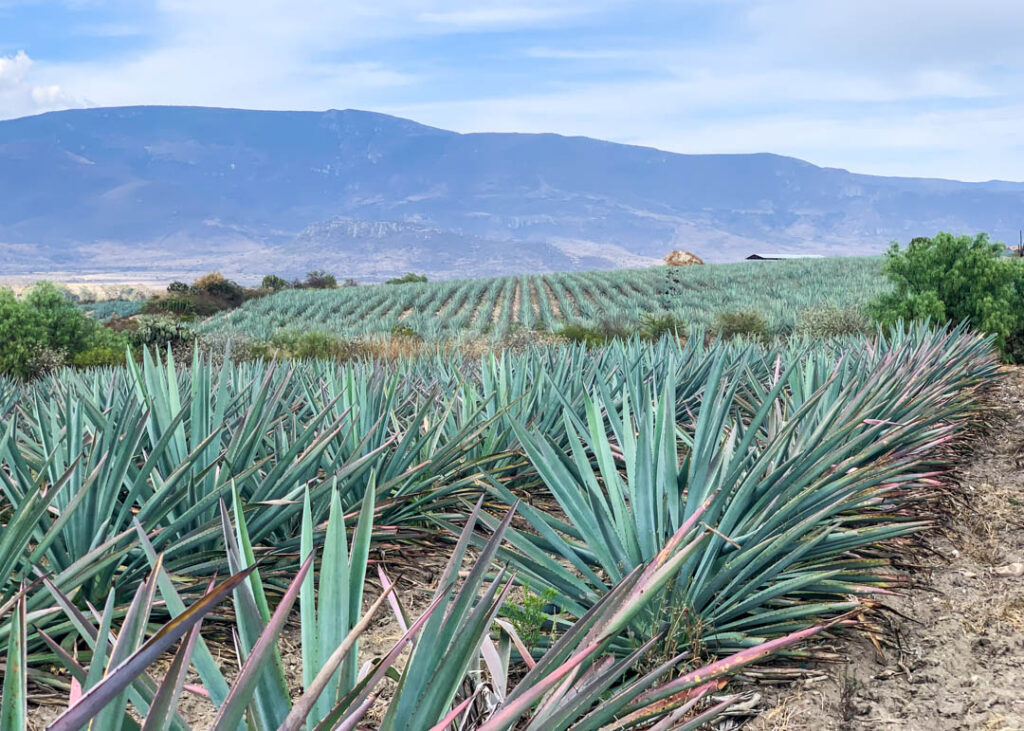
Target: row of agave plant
[(684, 510)]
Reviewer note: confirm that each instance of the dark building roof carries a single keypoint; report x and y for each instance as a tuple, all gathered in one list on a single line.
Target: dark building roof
[(772, 257)]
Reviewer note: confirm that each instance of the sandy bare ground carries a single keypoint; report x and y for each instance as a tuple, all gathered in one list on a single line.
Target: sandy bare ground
[(75, 279), (955, 659)]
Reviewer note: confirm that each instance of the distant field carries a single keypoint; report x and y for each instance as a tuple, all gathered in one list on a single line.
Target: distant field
[(496, 307), (108, 309)]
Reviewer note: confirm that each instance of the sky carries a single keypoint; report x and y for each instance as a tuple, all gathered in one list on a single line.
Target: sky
[(893, 87)]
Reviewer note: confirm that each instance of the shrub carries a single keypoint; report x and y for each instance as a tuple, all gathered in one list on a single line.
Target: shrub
[(103, 355), (20, 331), (655, 327), (46, 360), (409, 278), (208, 280), (319, 279), (274, 283), (577, 333), (67, 327), (832, 322), (177, 305), (214, 284), (208, 295), (530, 617), (741, 323), (404, 331), (517, 340), (313, 345), (45, 331), (954, 278), (598, 334)]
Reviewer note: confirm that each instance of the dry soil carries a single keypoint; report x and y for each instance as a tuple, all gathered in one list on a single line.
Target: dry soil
[(955, 659)]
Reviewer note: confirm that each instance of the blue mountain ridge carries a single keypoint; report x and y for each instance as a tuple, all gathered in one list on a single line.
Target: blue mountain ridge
[(148, 189)]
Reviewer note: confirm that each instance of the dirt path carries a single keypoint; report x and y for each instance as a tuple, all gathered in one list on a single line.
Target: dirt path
[(499, 306), (556, 310), (957, 661), (516, 297), (534, 296)]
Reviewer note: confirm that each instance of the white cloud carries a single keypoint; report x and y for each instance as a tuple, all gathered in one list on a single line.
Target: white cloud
[(975, 142), (914, 87), (13, 69), (503, 16), (875, 34), (303, 54), (594, 54), (19, 95)]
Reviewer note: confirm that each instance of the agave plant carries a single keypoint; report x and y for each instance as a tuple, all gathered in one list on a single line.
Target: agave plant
[(116, 672), (576, 683), (790, 491), (801, 458)]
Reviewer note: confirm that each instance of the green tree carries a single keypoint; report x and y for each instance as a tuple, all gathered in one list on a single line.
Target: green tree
[(320, 279), (21, 332), (273, 283), (953, 278), (67, 328), (409, 278), (45, 330)]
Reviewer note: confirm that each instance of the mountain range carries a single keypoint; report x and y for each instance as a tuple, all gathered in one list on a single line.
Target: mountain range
[(175, 191)]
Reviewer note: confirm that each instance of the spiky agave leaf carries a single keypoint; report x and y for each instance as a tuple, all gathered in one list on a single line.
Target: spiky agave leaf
[(102, 697), (13, 705)]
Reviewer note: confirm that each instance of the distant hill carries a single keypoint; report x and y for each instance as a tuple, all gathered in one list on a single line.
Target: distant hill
[(184, 189)]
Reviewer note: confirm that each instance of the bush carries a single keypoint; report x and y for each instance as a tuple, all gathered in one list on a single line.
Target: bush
[(517, 340), (530, 617), (595, 335), (404, 331), (46, 360), (308, 345), (45, 331), (274, 283), (103, 355), (176, 305), (410, 278), (214, 284), (655, 327), (741, 323), (208, 295), (67, 327), (318, 279), (833, 322), (954, 278), (20, 332)]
